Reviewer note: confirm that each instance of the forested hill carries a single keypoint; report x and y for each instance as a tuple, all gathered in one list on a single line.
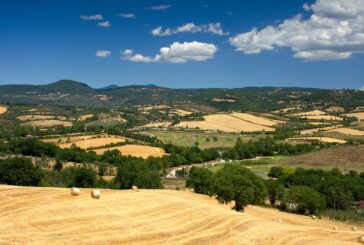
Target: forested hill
[(72, 93)]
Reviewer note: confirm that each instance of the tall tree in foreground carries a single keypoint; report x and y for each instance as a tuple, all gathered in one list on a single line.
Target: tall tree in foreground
[(237, 183)]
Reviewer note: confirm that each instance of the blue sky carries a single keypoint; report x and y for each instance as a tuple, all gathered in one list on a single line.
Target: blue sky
[(206, 43)]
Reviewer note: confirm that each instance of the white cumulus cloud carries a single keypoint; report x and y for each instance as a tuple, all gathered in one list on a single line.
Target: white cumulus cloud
[(103, 53), (104, 24), (214, 28), (362, 88), (160, 7), (335, 30), (127, 15), (92, 17), (175, 53)]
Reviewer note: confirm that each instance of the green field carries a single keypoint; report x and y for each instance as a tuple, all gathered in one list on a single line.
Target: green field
[(205, 140)]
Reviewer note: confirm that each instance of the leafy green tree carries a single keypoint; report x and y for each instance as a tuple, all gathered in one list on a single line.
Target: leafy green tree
[(275, 172), (275, 191), (58, 166), (237, 183), (136, 172), (303, 200), (201, 179), (78, 177), (19, 171)]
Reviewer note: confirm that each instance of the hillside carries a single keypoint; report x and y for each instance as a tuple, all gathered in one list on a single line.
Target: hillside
[(343, 156), (53, 216), (72, 93)]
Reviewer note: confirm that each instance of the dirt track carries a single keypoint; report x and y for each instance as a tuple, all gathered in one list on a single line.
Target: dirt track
[(53, 216)]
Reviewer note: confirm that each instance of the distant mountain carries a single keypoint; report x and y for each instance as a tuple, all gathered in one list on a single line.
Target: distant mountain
[(109, 87), (73, 93)]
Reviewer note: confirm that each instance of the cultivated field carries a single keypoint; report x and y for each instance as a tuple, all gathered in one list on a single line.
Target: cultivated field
[(143, 151), (255, 119), (315, 130), (157, 125), (343, 156), (3, 109), (68, 138), (358, 115), (349, 131), (225, 123), (317, 115), (320, 139), (53, 216), (93, 142), (205, 140), (47, 123), (35, 117)]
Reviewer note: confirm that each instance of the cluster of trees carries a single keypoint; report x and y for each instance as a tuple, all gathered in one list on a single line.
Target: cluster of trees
[(314, 190), (231, 183), (265, 147), (301, 191)]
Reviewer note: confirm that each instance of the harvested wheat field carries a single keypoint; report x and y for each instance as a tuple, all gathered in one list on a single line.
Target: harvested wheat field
[(320, 139), (157, 125), (94, 142), (316, 130), (224, 122), (255, 119), (83, 117), (349, 131), (35, 117), (52, 216), (182, 112), (317, 115), (358, 115), (3, 109), (143, 151), (68, 139), (47, 123)]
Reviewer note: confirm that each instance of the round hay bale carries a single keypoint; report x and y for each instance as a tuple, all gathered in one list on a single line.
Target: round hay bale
[(95, 194), (353, 228), (334, 228), (361, 239), (279, 220), (135, 188), (75, 191), (313, 217)]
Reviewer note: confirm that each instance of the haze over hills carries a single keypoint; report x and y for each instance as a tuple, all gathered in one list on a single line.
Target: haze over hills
[(73, 93)]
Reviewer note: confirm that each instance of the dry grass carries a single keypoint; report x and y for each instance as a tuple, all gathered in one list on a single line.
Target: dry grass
[(320, 139), (157, 125), (349, 131), (335, 109), (182, 112), (47, 123), (93, 142), (3, 109), (84, 117), (68, 139), (256, 119), (35, 117), (52, 216), (224, 122), (343, 156), (317, 115), (316, 130), (358, 115), (143, 151), (285, 110)]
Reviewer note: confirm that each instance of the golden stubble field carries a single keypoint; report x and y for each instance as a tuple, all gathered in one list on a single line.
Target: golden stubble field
[(226, 123), (3, 109), (93, 142), (53, 216), (143, 151)]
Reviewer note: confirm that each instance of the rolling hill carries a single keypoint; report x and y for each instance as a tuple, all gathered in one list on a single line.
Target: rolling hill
[(73, 93), (52, 216)]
